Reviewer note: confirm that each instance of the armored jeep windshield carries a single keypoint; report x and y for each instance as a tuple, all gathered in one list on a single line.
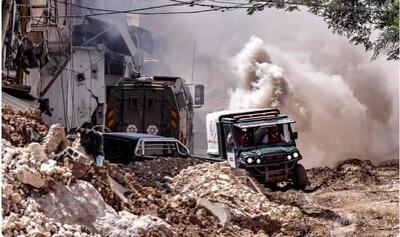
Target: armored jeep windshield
[(260, 134)]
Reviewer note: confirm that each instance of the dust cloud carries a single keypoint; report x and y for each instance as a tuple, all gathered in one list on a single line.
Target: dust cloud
[(336, 120)]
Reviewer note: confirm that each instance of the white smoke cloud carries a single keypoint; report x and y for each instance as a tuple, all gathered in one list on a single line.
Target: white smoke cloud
[(332, 122), (261, 90), (262, 82)]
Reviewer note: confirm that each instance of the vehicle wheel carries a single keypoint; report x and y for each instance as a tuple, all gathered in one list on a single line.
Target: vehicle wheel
[(300, 180)]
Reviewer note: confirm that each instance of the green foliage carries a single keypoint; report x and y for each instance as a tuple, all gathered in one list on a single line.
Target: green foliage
[(372, 23)]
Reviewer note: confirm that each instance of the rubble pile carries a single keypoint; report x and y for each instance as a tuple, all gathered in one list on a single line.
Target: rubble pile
[(151, 173), (27, 172), (181, 213), (22, 127), (85, 206), (352, 173), (41, 196), (53, 188), (218, 184), (97, 176)]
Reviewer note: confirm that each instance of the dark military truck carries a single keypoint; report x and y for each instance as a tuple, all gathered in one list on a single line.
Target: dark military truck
[(259, 140), (154, 105)]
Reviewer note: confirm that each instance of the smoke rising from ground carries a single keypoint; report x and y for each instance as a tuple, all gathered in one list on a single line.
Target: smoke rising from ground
[(262, 83), (333, 122)]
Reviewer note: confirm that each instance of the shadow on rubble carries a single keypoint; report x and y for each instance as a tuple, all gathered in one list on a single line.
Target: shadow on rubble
[(325, 214), (255, 224)]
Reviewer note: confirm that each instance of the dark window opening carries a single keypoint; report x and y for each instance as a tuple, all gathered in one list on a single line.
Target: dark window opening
[(114, 65), (150, 103), (133, 103)]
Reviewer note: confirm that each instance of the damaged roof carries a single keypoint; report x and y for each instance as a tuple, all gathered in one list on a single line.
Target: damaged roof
[(100, 32), (18, 104)]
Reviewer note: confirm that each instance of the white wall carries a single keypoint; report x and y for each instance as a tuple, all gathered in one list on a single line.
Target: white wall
[(77, 103)]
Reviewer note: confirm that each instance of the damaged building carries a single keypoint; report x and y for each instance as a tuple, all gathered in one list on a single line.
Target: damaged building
[(65, 64)]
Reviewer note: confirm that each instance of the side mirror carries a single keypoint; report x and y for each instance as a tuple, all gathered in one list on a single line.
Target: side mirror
[(295, 135), (198, 95)]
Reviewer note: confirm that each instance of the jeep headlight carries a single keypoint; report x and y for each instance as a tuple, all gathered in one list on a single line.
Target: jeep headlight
[(249, 160), (295, 154), (289, 157)]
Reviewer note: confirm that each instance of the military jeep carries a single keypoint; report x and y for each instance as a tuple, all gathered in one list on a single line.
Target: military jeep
[(259, 140)]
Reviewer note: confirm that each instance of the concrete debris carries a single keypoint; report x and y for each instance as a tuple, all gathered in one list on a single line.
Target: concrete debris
[(86, 206), (29, 172), (48, 167), (7, 189), (16, 198), (37, 151), (43, 197), (217, 183), (78, 162), (21, 128), (54, 189), (26, 175), (54, 138), (215, 209), (149, 225), (127, 224), (155, 172), (183, 211), (208, 181)]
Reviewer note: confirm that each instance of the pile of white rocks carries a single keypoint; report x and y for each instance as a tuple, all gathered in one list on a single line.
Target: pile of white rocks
[(28, 171), (42, 196), (218, 184)]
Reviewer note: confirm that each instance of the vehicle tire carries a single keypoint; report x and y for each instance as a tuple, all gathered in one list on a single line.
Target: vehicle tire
[(300, 180)]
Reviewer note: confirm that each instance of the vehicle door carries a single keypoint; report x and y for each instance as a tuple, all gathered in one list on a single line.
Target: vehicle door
[(152, 111), (132, 113), (230, 145)]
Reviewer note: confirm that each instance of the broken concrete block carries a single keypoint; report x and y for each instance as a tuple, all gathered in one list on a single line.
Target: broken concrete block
[(118, 189), (40, 234), (47, 167), (16, 197), (26, 175), (8, 189), (76, 161), (151, 224), (83, 204), (54, 138), (8, 225), (9, 155), (37, 151), (215, 209)]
